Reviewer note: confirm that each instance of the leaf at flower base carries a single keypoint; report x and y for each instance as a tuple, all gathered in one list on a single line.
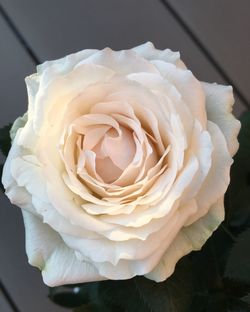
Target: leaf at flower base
[(239, 306), (121, 296), (238, 197), (5, 141), (238, 264), (238, 309), (244, 140), (143, 295), (173, 295), (69, 297), (92, 307), (207, 266), (246, 299), (240, 215)]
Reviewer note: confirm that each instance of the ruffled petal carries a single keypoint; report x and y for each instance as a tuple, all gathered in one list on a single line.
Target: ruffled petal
[(149, 51), (189, 238), (46, 250), (219, 172), (219, 105)]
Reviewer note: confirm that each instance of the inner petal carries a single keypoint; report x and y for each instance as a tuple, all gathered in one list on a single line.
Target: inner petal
[(107, 170), (114, 153), (120, 149), (93, 135)]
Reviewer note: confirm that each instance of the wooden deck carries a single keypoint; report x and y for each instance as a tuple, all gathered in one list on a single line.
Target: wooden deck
[(212, 36)]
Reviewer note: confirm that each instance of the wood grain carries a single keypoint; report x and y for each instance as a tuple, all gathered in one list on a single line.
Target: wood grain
[(4, 304), (59, 27), (223, 28), (23, 282)]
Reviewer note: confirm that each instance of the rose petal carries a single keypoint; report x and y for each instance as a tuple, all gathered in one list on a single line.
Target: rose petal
[(219, 104), (190, 238), (46, 250)]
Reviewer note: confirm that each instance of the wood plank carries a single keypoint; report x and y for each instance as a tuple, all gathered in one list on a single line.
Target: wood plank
[(56, 28), (22, 282), (223, 28), (4, 304)]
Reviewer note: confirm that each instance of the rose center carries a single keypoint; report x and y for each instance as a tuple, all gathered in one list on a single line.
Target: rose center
[(114, 152)]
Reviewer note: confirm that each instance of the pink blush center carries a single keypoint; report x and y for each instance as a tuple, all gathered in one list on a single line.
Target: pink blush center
[(114, 153)]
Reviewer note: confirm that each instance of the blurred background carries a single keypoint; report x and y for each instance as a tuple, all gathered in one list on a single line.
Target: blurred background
[(212, 36)]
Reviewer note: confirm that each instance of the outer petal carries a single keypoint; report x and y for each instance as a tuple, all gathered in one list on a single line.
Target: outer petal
[(218, 178), (8, 180), (219, 104), (18, 123), (67, 63), (188, 86), (190, 238), (47, 251), (122, 62), (149, 51)]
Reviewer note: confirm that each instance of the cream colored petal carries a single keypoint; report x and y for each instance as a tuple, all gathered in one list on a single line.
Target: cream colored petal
[(159, 210), (18, 123), (151, 125), (148, 51), (47, 251), (105, 250), (169, 195), (16, 194), (188, 239), (201, 145), (169, 99), (188, 86), (91, 165), (218, 178), (140, 97), (219, 105), (120, 149), (31, 194), (48, 99), (107, 170), (129, 175), (67, 63), (93, 135), (68, 207), (32, 85), (113, 107), (81, 124), (127, 269), (122, 62)]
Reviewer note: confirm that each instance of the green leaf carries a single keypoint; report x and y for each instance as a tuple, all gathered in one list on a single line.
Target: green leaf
[(238, 309), (92, 307), (5, 141), (173, 295), (141, 294), (238, 305), (121, 296), (70, 297), (240, 213), (246, 299), (238, 265), (237, 201), (208, 264)]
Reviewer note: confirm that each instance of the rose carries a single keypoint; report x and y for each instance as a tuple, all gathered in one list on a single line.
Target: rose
[(120, 165)]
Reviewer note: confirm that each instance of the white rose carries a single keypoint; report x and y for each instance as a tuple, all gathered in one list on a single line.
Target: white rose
[(122, 165)]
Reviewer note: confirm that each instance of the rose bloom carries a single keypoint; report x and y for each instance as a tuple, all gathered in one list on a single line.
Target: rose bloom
[(120, 164)]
